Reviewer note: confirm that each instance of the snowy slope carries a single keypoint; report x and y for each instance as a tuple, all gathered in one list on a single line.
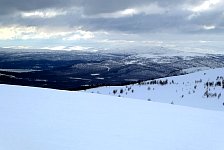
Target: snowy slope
[(43, 119), (187, 90)]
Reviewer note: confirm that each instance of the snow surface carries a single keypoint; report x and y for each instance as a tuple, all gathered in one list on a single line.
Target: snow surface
[(43, 119), (187, 90)]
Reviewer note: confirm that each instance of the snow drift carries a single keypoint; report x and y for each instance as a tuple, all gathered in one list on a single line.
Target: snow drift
[(43, 119)]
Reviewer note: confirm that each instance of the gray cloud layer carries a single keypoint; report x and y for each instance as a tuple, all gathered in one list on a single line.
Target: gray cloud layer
[(129, 16)]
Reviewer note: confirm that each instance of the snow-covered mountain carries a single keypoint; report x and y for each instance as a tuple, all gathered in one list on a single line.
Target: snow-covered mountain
[(44, 119), (203, 89)]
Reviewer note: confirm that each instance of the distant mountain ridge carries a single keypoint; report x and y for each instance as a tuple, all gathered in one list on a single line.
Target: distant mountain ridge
[(83, 70)]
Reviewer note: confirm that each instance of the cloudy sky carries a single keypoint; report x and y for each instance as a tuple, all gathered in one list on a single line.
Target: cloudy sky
[(108, 24)]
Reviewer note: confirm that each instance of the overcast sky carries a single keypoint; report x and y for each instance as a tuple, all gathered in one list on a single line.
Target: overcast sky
[(107, 24)]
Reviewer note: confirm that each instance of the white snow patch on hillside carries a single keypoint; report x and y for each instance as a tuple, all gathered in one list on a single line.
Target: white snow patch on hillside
[(19, 70), (10, 76), (195, 69), (43, 119), (187, 90)]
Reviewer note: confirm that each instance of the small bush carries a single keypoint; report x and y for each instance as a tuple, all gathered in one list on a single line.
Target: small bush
[(121, 91), (114, 91)]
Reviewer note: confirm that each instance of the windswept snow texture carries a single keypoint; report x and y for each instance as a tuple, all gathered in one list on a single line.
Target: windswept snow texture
[(203, 89), (43, 119)]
